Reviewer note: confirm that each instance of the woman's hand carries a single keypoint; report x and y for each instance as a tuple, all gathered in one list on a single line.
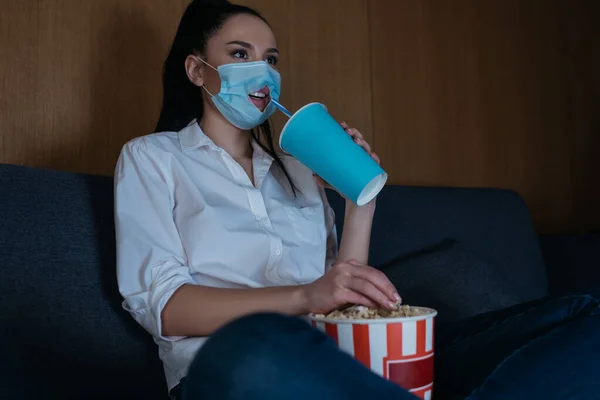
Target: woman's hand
[(350, 282), (359, 140)]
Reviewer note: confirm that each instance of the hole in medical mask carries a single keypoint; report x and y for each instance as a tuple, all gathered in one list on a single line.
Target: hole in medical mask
[(261, 98)]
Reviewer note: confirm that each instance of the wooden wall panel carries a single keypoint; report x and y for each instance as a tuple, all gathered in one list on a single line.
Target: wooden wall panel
[(499, 93), (583, 31), (79, 78), (472, 93)]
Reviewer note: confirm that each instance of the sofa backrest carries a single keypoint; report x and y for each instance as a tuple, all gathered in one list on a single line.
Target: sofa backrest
[(493, 223), (63, 333)]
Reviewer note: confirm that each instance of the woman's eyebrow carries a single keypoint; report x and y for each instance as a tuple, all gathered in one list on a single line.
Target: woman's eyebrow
[(243, 44), (249, 46)]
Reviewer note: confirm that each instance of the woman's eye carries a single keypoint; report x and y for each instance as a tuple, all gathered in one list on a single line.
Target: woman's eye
[(272, 60), (240, 54)]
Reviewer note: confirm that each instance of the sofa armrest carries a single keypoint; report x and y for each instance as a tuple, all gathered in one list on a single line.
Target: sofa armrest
[(572, 261)]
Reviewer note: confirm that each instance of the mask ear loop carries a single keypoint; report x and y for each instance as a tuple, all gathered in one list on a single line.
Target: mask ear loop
[(203, 86)]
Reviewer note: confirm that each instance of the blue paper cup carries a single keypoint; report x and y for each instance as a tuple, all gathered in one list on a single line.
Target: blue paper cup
[(318, 141)]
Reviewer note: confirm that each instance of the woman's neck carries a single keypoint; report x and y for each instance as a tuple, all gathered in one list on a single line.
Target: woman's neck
[(233, 140)]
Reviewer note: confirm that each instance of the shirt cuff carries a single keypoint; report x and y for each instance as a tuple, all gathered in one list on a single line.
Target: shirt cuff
[(146, 307), (161, 293)]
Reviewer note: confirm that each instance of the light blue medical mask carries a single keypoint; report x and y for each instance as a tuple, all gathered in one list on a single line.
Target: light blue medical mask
[(238, 80)]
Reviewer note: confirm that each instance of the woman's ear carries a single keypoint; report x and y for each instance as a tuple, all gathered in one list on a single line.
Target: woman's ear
[(195, 70)]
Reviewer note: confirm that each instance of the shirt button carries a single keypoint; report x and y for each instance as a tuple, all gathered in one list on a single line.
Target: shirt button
[(278, 252)]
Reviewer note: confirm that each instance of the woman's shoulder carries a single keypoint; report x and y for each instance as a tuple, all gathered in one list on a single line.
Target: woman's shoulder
[(148, 151), (158, 141)]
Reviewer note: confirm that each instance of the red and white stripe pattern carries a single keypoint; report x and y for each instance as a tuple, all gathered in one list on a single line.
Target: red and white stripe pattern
[(401, 352)]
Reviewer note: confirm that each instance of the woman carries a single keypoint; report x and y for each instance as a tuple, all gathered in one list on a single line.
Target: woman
[(214, 226)]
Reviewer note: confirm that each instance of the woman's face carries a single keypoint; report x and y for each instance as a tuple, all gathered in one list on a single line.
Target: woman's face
[(243, 38)]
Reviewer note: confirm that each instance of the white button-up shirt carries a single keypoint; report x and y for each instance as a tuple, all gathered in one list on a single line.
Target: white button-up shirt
[(187, 213)]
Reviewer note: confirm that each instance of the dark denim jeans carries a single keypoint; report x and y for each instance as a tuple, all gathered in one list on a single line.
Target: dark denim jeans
[(548, 349)]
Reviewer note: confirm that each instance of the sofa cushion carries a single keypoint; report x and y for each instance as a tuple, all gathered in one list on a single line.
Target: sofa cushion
[(494, 223), (451, 279), (61, 323)]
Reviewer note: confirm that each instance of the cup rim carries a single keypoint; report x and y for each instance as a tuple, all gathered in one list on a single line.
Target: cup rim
[(290, 120), (372, 189), (431, 314)]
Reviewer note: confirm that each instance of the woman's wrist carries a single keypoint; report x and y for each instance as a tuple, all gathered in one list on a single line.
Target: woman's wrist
[(300, 299), (365, 210)]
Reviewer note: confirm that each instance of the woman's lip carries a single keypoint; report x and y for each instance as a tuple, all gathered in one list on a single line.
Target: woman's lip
[(261, 104)]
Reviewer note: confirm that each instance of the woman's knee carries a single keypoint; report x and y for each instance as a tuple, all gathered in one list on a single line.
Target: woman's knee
[(253, 338), (260, 327), (270, 321), (255, 345)]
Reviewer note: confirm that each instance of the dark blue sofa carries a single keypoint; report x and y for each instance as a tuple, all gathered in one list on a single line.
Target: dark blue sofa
[(63, 334)]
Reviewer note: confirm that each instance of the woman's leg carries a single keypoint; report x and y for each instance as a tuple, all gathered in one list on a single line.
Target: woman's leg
[(543, 349), (273, 357), (562, 364)]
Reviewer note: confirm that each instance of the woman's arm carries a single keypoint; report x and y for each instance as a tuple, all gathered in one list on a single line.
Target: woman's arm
[(356, 236), (195, 310)]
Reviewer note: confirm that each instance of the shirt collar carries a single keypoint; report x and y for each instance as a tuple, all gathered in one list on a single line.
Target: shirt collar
[(191, 137)]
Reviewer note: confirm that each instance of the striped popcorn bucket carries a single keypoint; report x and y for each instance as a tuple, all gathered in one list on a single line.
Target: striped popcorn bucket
[(399, 349)]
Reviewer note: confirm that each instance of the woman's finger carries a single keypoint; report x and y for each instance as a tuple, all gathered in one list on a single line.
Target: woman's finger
[(360, 140), (362, 143), (376, 158), (370, 291), (355, 133), (349, 296), (377, 278)]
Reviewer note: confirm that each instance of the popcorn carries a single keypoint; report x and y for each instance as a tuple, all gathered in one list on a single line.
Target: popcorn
[(362, 312)]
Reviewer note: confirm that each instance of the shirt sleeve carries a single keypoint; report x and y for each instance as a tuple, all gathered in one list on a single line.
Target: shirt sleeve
[(332, 240), (151, 261)]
